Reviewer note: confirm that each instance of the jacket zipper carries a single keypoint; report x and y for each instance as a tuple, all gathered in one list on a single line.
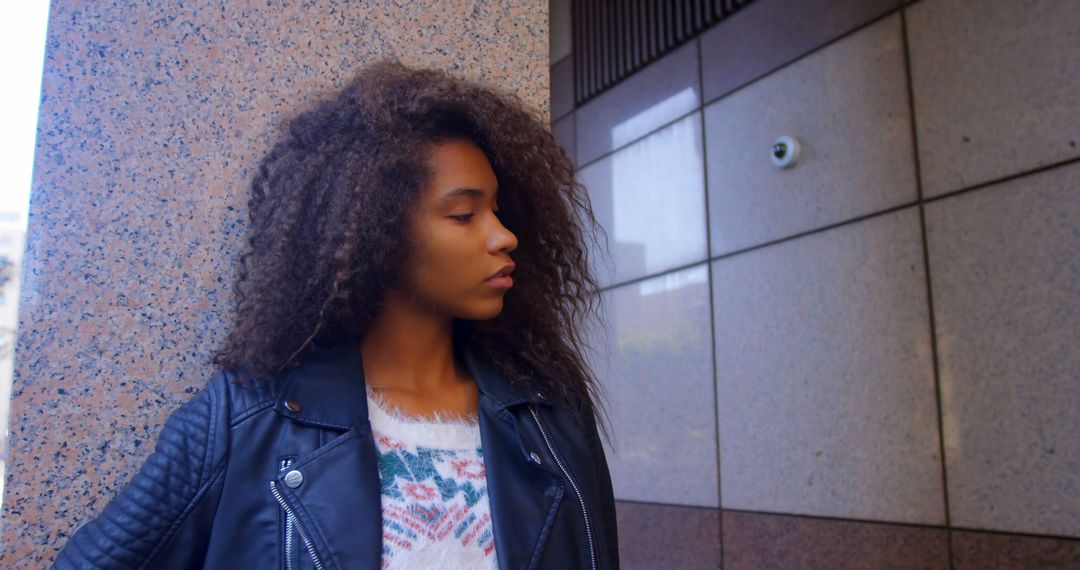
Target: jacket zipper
[(285, 463), (573, 483), (289, 516)]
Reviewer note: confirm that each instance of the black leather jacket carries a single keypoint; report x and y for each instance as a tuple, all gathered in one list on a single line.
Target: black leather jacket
[(214, 493)]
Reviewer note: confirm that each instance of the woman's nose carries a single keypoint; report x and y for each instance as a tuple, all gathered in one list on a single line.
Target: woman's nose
[(502, 239)]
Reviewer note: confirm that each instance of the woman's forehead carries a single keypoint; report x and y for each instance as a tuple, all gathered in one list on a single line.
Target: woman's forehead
[(460, 169)]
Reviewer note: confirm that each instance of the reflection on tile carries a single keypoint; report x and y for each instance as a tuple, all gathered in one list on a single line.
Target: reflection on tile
[(825, 378), (658, 94), (655, 365), (1006, 281), (766, 35), (847, 105), (650, 199), (995, 86), (563, 129), (762, 542), (562, 88), (985, 551), (646, 535)]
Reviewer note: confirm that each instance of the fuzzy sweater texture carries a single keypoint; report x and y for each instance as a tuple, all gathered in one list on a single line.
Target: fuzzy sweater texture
[(434, 491)]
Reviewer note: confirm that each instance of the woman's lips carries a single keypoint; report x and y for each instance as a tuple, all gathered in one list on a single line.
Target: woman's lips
[(501, 279), (503, 282)]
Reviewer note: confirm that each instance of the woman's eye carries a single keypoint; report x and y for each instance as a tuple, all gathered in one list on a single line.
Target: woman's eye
[(462, 217)]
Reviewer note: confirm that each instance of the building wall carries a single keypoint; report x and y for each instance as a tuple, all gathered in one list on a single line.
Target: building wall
[(11, 250), (867, 360), (152, 118)]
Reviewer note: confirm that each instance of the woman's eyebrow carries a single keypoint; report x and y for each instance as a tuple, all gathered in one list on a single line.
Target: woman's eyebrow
[(469, 192)]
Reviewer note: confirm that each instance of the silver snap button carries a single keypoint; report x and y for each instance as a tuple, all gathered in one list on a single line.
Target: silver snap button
[(294, 478), (534, 457)]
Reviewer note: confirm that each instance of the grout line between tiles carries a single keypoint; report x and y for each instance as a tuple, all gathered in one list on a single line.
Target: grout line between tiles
[(551, 91), (924, 238), (713, 378), (841, 223), (1003, 179), (762, 245), (800, 57), (926, 526)]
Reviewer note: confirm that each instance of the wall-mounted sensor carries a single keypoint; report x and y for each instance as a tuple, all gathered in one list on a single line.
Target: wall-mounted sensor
[(785, 151)]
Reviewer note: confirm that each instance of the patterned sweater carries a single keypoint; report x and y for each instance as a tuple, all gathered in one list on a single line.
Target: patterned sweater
[(434, 491)]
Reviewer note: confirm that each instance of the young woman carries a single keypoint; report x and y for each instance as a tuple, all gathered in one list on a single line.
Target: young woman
[(403, 386)]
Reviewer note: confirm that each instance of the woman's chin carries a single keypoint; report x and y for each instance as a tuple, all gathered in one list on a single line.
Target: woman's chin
[(483, 312)]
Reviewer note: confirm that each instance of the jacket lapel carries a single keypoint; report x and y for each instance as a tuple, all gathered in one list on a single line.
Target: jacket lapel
[(339, 500), (524, 496)]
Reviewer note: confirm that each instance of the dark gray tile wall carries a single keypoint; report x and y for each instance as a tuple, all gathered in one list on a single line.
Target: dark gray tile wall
[(837, 337), (847, 107), (656, 364), (986, 551), (652, 537), (769, 33), (754, 541), (562, 88), (563, 129), (1005, 271), (824, 376), (995, 86)]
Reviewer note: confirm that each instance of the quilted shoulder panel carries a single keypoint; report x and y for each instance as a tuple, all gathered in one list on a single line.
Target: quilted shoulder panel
[(140, 521), (248, 395)]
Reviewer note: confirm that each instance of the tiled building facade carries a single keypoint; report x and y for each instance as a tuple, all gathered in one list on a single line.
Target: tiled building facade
[(868, 359)]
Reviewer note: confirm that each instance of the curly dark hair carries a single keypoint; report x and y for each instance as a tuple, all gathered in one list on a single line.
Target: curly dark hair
[(329, 206)]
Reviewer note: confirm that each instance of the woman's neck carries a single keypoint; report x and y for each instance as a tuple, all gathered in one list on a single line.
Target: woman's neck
[(411, 351)]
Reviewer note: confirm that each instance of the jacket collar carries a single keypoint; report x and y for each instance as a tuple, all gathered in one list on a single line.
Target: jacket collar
[(328, 389), (492, 383)]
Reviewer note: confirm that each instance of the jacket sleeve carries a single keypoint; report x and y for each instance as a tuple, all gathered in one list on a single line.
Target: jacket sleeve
[(162, 518)]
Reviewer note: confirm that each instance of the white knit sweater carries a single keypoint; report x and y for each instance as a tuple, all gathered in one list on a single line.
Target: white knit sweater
[(434, 491)]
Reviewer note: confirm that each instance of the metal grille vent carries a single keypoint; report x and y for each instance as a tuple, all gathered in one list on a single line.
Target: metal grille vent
[(615, 38)]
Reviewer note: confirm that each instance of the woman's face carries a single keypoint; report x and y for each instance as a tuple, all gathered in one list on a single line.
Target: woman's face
[(458, 243)]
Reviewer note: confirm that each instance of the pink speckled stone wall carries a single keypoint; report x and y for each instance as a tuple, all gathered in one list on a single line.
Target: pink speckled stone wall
[(151, 121)]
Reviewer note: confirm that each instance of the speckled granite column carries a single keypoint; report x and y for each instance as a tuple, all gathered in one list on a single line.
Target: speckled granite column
[(151, 121)]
